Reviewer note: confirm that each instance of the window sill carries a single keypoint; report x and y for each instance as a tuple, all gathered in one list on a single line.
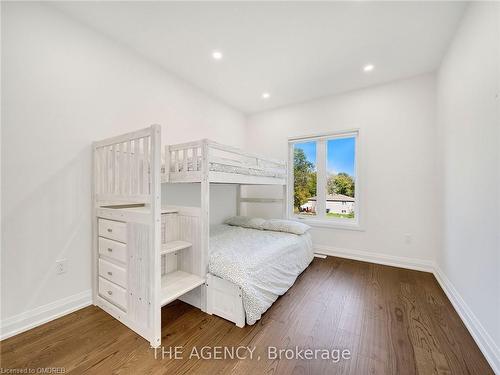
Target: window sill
[(326, 223)]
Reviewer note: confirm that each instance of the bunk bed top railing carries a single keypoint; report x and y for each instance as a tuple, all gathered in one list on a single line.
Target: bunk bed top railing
[(225, 148), (246, 154), (185, 163)]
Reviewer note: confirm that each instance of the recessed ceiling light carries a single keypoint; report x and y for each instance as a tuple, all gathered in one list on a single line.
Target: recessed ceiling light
[(368, 67), (266, 95), (217, 55)]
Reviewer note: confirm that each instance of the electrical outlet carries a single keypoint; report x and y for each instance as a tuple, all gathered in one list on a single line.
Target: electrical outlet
[(61, 266), (408, 238)]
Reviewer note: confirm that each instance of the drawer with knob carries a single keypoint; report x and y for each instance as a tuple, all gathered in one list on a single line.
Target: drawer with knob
[(113, 272), (115, 230), (113, 249), (113, 293)]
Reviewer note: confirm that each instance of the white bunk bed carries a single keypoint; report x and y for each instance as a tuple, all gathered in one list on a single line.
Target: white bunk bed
[(208, 162), (146, 257)]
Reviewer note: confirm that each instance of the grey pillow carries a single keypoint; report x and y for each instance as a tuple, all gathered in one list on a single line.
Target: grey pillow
[(245, 222), (289, 226)]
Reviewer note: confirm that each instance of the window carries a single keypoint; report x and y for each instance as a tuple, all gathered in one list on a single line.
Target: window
[(304, 177), (324, 179)]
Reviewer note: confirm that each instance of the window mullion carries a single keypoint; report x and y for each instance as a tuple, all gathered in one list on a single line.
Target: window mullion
[(321, 178)]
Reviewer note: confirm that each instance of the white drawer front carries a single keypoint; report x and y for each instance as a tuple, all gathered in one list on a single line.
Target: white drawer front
[(113, 249), (113, 273), (115, 230), (113, 293)]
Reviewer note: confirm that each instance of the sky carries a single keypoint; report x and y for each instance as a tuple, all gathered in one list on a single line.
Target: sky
[(340, 154)]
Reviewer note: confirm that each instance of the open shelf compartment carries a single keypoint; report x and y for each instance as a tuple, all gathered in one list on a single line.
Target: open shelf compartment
[(175, 284), (173, 246)]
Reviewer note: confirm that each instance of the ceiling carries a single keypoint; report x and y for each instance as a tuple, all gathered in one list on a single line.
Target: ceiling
[(296, 51)]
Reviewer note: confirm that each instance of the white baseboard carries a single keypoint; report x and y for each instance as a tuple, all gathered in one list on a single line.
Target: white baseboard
[(483, 340), (43, 314), (378, 258)]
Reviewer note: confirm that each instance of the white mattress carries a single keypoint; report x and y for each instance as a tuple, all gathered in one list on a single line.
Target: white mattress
[(264, 264)]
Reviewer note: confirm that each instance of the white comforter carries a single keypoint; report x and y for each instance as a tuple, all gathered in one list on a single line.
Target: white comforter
[(264, 264)]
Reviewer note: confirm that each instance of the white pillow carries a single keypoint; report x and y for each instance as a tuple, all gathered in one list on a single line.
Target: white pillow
[(245, 222), (289, 226)]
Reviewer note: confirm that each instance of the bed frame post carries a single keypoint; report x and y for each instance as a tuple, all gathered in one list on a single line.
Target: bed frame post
[(238, 199), (166, 173), (289, 181), (95, 249), (205, 218), (284, 203), (155, 339)]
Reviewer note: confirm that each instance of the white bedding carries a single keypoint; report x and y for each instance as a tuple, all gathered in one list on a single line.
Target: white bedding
[(264, 264)]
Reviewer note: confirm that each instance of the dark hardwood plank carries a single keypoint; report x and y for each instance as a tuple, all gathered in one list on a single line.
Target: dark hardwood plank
[(393, 321)]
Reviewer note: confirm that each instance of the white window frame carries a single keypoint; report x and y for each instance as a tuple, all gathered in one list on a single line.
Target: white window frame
[(321, 220)]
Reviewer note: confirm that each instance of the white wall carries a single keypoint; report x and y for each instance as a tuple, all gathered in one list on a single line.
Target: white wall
[(64, 86), (468, 87), (396, 161), (222, 198)]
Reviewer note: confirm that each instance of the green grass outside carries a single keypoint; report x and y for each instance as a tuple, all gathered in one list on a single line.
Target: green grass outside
[(344, 216), (329, 214)]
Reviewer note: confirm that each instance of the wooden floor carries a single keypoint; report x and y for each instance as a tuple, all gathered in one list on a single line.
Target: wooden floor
[(393, 321)]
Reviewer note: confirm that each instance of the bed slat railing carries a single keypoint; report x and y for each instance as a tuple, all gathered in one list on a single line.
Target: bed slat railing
[(123, 168), (252, 159), (185, 159), (181, 158)]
